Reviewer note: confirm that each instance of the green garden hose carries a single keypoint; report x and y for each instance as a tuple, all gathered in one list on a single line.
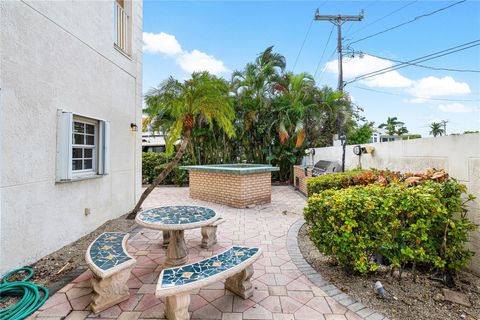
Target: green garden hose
[(30, 301)]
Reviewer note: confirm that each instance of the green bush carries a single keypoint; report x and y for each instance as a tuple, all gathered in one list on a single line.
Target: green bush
[(408, 225), (153, 163), (337, 180), (150, 161), (412, 136)]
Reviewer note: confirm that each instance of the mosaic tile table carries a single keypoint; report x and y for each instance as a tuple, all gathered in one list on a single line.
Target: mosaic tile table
[(176, 219)]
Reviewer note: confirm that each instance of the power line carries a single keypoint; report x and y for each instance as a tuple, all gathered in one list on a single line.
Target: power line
[(417, 60), (415, 97), (324, 68), (323, 52), (385, 16), (407, 22), (324, 3), (350, 27), (406, 64), (303, 43), (420, 65)]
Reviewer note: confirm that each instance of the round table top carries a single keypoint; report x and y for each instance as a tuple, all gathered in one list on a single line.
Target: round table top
[(176, 217)]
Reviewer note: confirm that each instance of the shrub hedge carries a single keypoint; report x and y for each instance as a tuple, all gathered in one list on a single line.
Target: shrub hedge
[(153, 163), (337, 180), (410, 222)]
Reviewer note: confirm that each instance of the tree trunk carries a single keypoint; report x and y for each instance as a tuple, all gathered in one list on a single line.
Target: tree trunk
[(163, 174)]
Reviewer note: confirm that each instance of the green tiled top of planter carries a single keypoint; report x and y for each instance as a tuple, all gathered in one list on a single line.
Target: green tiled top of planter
[(241, 168)]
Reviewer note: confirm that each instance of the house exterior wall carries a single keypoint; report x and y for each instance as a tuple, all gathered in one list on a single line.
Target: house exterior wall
[(458, 155), (61, 55)]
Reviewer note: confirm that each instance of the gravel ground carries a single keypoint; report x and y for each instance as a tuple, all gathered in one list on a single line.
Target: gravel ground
[(60, 263), (405, 299), (56, 265)]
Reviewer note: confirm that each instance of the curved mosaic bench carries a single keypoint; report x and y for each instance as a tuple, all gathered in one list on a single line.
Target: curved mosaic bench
[(234, 265), (110, 263)]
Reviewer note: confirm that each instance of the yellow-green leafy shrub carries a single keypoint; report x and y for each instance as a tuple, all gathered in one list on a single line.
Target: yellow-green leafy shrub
[(422, 224)]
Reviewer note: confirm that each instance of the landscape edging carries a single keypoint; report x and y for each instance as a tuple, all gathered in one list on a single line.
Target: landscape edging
[(331, 290)]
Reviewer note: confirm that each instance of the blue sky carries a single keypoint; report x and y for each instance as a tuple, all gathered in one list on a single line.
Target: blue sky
[(221, 36)]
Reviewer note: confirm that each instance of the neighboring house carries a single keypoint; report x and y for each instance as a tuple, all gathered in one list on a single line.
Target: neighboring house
[(153, 142), (380, 135), (71, 92)]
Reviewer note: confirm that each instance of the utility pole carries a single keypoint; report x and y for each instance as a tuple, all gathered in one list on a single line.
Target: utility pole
[(338, 20), (444, 122)]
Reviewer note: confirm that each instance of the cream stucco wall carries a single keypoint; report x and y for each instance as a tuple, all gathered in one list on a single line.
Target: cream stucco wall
[(458, 155), (60, 55)]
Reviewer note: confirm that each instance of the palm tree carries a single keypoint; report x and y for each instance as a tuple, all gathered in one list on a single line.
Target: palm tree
[(436, 129), (402, 130), (258, 79), (254, 88), (331, 111), (180, 106), (297, 91), (391, 126)]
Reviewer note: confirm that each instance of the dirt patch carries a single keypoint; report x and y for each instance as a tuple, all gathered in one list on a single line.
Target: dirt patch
[(404, 299), (53, 267)]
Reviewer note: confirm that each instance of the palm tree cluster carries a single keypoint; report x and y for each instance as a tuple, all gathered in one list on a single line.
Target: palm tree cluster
[(263, 115), (279, 113), (394, 127)]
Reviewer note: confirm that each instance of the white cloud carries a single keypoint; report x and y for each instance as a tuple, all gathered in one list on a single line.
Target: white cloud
[(196, 60), (161, 43), (431, 87), (200, 61), (421, 90), (455, 107), (354, 67)]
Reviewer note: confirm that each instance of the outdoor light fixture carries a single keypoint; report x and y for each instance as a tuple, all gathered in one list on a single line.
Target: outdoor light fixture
[(343, 140), (358, 150), (134, 127)]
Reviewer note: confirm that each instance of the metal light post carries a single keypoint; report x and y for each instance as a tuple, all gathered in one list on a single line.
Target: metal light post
[(343, 140)]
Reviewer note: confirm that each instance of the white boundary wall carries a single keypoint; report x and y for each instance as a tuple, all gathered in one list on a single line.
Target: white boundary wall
[(458, 155)]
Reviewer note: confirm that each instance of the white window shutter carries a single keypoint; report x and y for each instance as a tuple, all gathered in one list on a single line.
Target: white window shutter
[(64, 145), (104, 138)]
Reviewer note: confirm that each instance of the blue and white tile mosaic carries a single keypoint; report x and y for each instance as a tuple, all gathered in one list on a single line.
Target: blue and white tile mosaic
[(201, 270), (107, 251), (176, 215)]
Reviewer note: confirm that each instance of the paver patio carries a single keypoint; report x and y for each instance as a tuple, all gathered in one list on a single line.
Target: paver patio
[(281, 292)]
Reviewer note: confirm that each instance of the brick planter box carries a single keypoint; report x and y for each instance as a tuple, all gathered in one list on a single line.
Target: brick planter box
[(233, 185), (300, 176)]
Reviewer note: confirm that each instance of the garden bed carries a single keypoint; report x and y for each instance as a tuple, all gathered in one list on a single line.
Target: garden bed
[(405, 299), (58, 264)]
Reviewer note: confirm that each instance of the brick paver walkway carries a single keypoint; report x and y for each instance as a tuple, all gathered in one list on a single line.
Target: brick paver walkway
[(281, 292)]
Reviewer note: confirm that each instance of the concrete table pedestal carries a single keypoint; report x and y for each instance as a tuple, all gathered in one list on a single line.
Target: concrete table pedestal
[(173, 220)]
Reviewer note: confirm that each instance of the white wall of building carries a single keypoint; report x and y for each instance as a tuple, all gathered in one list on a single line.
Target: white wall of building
[(458, 155), (60, 55)]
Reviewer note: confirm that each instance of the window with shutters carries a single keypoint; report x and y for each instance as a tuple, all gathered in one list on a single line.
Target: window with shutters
[(82, 147), (122, 25)]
